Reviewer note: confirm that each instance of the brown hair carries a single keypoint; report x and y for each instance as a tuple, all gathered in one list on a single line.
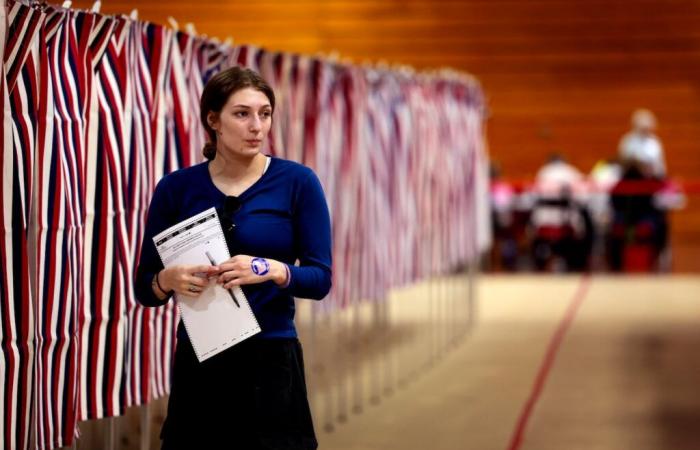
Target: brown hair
[(217, 92)]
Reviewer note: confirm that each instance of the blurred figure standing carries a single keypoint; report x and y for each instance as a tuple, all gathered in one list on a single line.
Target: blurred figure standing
[(602, 178), (641, 146), (504, 253)]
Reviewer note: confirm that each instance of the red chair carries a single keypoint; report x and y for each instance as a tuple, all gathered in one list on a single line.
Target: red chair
[(640, 254)]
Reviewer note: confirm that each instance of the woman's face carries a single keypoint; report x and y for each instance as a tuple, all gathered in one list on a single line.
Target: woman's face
[(243, 123)]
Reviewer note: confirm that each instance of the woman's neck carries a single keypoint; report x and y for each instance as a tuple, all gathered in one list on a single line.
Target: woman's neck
[(235, 175)]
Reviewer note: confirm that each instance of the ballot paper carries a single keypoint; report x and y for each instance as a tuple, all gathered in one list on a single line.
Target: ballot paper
[(218, 318)]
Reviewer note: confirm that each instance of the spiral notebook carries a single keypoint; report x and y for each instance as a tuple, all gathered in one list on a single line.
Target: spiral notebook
[(218, 318)]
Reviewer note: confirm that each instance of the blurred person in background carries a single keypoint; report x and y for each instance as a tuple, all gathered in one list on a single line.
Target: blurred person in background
[(641, 145), (638, 238), (603, 176), (638, 229), (560, 221), (504, 252)]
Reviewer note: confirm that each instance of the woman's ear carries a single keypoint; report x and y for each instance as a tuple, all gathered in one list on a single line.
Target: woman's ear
[(212, 120)]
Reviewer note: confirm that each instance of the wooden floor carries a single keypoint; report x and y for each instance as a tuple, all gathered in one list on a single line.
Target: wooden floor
[(626, 374), (537, 363)]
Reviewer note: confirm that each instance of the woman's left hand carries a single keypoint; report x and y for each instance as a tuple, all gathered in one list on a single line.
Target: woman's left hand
[(244, 269)]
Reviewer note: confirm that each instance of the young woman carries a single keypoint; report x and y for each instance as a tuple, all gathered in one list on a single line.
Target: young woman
[(273, 211)]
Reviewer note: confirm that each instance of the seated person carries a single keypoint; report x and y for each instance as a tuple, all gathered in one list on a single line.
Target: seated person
[(636, 219), (560, 220)]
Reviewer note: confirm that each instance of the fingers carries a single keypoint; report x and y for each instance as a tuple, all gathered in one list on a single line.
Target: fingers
[(226, 268), (239, 281), (193, 288), (236, 267), (191, 281), (230, 271), (202, 268), (188, 281), (197, 281), (204, 271), (230, 279), (229, 274)]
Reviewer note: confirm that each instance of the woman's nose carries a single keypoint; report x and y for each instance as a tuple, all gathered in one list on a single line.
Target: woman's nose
[(255, 124)]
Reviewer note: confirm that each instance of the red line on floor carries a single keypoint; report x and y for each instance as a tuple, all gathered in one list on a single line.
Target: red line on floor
[(546, 366)]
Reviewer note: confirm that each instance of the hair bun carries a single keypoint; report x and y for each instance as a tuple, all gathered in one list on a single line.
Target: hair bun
[(209, 150)]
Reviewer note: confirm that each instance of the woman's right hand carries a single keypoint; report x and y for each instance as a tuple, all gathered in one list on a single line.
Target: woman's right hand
[(189, 281)]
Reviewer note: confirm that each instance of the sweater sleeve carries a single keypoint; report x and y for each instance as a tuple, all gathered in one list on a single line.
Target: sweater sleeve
[(312, 237), (160, 213)]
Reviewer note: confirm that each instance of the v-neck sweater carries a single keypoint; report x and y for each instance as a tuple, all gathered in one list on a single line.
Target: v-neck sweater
[(283, 216)]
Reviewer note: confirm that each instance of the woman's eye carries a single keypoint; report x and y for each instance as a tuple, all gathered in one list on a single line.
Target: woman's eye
[(241, 114), (266, 114)]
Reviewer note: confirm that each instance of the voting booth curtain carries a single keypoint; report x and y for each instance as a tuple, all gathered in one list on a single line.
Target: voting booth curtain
[(98, 108)]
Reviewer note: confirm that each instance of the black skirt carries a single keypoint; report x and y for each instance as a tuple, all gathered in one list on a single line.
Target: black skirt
[(251, 396)]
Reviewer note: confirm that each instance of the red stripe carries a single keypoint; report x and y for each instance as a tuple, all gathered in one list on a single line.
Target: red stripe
[(119, 248), (145, 355), (22, 12), (179, 122), (70, 408), (19, 28), (546, 366), (157, 47)]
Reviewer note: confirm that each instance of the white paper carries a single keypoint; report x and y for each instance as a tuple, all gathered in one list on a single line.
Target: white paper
[(213, 321)]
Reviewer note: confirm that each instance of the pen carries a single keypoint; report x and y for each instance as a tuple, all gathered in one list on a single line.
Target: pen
[(213, 263)]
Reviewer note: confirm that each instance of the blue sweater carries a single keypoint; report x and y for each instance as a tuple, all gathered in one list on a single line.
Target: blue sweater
[(282, 216)]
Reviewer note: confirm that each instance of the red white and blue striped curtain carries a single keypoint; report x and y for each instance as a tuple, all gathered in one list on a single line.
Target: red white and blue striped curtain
[(19, 30), (97, 108)]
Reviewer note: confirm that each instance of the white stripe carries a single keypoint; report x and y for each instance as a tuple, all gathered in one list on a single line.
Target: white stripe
[(119, 346), (8, 169), (177, 67), (134, 360), (90, 186)]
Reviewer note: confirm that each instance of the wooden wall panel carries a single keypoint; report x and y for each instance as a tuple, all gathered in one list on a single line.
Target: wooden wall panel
[(560, 75)]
